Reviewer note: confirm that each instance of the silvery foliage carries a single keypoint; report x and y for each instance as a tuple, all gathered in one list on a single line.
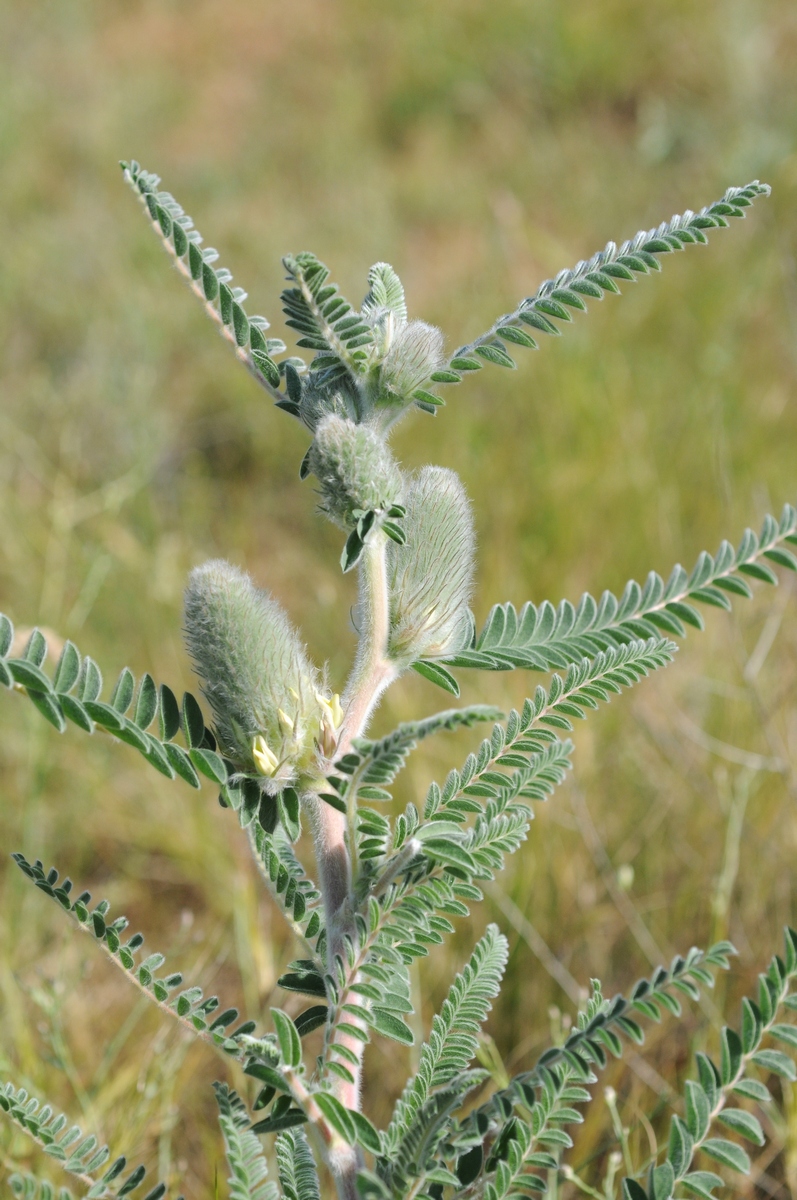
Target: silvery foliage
[(286, 751)]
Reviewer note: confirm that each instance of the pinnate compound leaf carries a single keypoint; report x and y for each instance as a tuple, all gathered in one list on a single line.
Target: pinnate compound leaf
[(328, 323), (379, 762), (78, 1155), (576, 1055), (189, 1006), (637, 256), (248, 1168), (211, 284), (546, 638), (453, 1040), (296, 1166), (31, 1187), (85, 709)]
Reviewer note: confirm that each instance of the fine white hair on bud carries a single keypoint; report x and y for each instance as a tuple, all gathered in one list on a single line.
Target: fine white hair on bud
[(316, 399), (415, 353), (431, 576), (355, 469), (269, 713)]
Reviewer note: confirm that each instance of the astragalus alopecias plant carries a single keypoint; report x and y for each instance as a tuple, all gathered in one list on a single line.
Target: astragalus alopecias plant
[(288, 754)]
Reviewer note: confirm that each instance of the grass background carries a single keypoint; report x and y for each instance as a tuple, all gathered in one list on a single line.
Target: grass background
[(479, 148)]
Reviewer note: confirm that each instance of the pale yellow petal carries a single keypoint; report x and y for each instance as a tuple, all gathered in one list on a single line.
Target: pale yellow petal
[(266, 760)]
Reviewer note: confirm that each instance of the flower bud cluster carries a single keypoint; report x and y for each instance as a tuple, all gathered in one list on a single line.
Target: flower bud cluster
[(355, 469), (272, 717), (415, 353), (315, 397), (431, 576)]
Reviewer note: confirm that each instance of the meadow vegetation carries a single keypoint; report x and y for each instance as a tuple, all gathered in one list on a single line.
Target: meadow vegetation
[(479, 149)]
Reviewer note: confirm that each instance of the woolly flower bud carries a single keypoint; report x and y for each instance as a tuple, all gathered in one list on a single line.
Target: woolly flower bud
[(356, 470), (269, 713), (316, 397), (415, 353), (431, 577)]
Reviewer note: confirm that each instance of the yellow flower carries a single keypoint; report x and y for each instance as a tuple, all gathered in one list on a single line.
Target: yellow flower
[(266, 760), (333, 713), (286, 723), (331, 721)]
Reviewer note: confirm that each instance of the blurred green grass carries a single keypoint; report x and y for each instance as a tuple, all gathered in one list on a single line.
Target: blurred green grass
[(479, 149)]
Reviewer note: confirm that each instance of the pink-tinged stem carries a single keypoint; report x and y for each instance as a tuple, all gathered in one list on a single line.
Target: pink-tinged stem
[(335, 832)]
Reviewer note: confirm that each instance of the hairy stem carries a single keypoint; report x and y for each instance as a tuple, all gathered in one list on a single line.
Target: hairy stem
[(336, 832), (373, 671), (341, 1158), (334, 864)]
